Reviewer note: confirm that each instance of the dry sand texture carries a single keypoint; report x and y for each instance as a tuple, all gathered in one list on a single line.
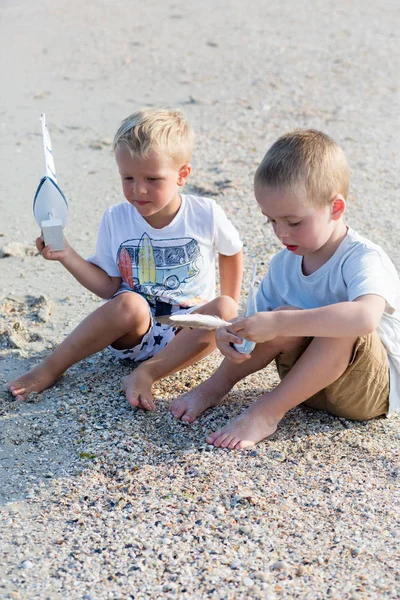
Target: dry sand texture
[(100, 501)]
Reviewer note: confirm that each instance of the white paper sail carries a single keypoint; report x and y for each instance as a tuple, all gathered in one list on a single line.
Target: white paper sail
[(49, 166)]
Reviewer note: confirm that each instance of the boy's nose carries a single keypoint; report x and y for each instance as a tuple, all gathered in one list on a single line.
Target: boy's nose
[(281, 231), (138, 188)]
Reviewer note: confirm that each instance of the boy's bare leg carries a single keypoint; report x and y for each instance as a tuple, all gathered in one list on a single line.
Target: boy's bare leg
[(307, 377), (122, 321), (188, 347), (210, 393), (190, 405)]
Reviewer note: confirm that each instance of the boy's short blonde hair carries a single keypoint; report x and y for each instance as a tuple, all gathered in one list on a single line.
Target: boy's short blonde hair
[(159, 130), (309, 159)]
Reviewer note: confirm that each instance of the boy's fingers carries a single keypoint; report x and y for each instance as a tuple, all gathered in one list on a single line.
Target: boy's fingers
[(56, 254), (46, 252), (233, 355), (226, 337), (225, 349), (231, 339), (49, 254), (237, 326), (238, 357)]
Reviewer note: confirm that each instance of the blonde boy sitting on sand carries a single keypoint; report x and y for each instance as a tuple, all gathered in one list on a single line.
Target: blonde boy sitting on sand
[(155, 256), (329, 304)]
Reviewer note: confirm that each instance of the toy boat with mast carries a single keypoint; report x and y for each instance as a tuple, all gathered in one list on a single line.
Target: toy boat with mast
[(50, 208)]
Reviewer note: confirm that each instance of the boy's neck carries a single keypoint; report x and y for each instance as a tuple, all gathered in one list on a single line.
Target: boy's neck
[(164, 217), (313, 262)]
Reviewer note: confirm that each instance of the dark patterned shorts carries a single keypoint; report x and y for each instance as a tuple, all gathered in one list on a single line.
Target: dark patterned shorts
[(156, 338)]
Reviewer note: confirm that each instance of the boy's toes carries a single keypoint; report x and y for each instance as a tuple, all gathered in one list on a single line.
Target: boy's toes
[(15, 389), (227, 439), (234, 444), (217, 439), (19, 396), (132, 399), (181, 409), (245, 444), (177, 409), (210, 439), (146, 403), (189, 416)]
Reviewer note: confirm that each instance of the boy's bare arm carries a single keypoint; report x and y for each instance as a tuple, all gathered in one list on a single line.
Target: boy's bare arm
[(230, 274), (342, 320), (90, 276)]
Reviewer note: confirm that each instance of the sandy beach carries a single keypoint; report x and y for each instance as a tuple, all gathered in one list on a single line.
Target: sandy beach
[(98, 500)]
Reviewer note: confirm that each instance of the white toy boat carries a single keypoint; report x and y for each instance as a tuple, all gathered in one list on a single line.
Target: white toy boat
[(50, 208)]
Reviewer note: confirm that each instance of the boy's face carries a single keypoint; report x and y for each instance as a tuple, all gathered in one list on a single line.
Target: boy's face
[(151, 184), (302, 228)]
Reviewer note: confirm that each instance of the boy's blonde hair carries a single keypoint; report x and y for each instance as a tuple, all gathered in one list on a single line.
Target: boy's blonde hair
[(307, 158), (159, 130)]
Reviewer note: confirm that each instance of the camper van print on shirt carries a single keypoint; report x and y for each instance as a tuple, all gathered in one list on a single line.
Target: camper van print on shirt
[(153, 267)]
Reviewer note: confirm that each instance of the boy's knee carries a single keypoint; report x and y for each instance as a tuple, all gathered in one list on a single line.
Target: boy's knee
[(131, 307), (225, 307), (338, 352)]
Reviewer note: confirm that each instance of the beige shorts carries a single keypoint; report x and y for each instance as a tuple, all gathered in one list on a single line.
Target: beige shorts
[(361, 392)]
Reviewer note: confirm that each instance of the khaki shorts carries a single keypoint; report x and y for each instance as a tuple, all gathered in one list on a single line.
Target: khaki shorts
[(361, 392)]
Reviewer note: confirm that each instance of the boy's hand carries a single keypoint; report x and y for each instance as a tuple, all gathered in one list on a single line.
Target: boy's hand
[(93, 278), (261, 327), (47, 252), (224, 339)]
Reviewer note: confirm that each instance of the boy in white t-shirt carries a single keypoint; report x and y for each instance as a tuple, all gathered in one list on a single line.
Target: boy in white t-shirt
[(341, 351), (155, 256)]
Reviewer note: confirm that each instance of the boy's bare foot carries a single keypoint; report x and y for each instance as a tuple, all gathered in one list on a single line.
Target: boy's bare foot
[(246, 430), (36, 380), (190, 405), (137, 388)]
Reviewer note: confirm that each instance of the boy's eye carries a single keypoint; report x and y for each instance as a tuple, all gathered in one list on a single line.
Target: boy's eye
[(270, 221), (294, 224), (154, 178)]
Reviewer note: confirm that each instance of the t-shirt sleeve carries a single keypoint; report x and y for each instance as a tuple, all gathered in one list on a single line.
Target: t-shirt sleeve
[(263, 301), (372, 272), (226, 237), (103, 257), (267, 297)]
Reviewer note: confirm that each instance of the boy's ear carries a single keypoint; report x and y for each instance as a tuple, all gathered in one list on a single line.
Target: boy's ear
[(338, 207), (184, 173)]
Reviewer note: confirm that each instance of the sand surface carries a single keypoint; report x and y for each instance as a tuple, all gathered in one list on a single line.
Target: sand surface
[(101, 501)]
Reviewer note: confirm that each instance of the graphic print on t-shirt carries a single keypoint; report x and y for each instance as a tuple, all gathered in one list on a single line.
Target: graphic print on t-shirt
[(157, 268)]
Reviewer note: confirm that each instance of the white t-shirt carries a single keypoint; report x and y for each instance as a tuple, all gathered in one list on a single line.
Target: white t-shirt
[(174, 265), (357, 268)]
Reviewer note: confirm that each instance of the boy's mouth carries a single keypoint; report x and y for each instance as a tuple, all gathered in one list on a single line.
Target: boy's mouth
[(291, 248)]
